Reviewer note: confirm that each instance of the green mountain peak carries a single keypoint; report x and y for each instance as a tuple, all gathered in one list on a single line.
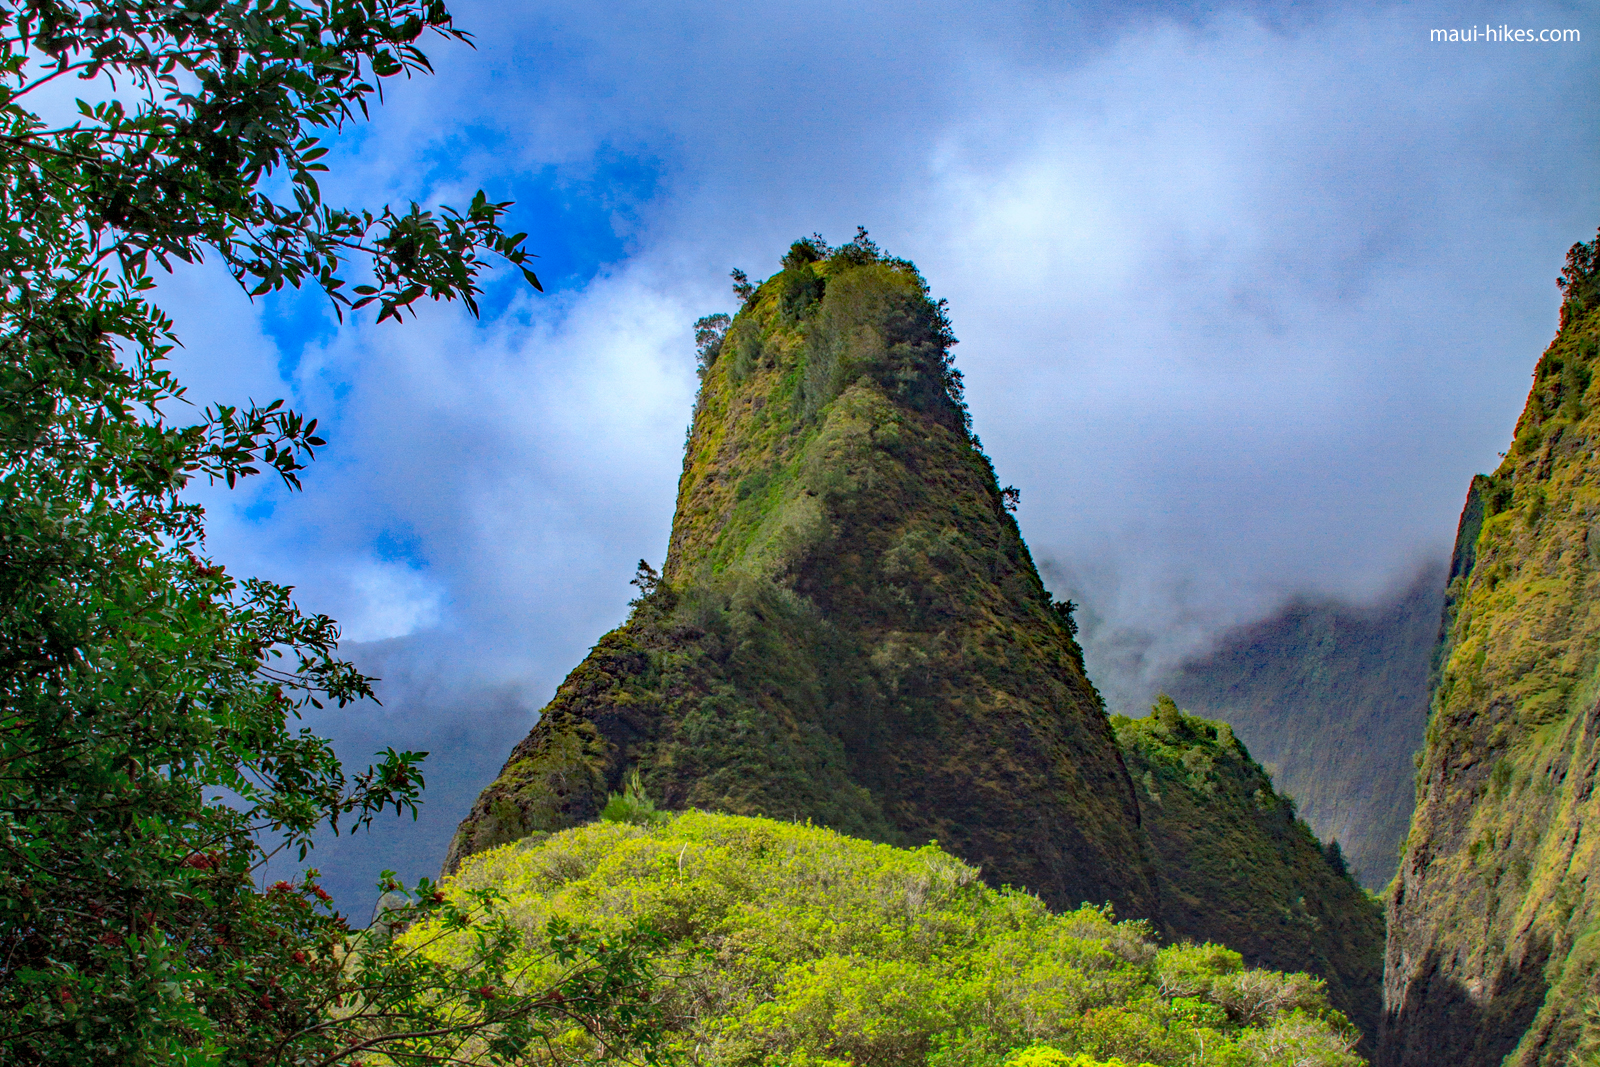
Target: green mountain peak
[(848, 627), (849, 630), (1237, 866)]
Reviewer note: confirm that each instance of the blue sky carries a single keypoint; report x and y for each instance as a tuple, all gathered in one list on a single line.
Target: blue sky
[(1245, 293)]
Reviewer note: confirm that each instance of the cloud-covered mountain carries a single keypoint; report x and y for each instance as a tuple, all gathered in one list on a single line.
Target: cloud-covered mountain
[(1333, 698), (1242, 295)]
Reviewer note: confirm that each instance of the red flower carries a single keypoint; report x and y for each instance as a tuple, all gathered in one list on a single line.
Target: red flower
[(66, 995), (487, 992), (298, 957), (322, 894), (281, 887)]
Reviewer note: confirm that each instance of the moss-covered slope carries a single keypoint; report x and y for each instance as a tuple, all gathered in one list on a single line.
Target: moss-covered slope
[(1334, 700), (1234, 864), (1494, 922), (848, 627)]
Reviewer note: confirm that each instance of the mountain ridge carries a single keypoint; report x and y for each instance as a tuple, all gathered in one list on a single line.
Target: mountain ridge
[(1333, 699), (1236, 865), (1494, 921)]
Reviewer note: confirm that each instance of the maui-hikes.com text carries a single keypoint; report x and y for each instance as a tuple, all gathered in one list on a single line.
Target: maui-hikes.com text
[(1504, 34)]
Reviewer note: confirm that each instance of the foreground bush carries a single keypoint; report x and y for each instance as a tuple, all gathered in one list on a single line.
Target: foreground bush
[(792, 945)]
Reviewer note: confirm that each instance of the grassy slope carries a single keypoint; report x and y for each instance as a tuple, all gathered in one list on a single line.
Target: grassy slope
[(850, 628), (1334, 701), (793, 946), (1494, 925), (1236, 866)]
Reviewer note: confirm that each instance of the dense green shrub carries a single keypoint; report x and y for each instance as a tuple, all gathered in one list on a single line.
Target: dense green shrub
[(874, 318), (632, 805), (797, 945)]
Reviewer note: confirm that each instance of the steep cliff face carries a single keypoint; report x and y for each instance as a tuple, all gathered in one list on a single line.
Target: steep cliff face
[(848, 627), (1334, 700), (1494, 922), (1235, 865)]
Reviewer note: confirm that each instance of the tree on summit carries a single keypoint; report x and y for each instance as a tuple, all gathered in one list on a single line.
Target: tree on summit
[(1580, 279)]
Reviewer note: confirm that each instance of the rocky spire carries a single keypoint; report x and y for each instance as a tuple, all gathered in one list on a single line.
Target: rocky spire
[(848, 627)]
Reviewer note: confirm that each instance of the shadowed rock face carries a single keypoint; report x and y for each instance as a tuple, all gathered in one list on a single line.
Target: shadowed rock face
[(1334, 701), (1494, 921), (848, 627)]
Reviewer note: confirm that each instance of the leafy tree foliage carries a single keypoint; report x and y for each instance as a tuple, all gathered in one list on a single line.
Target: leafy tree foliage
[(709, 332), (1580, 278), (139, 681), (632, 805), (795, 946), (1064, 610)]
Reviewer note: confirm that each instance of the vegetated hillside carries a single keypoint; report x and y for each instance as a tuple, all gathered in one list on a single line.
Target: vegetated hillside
[(1235, 865), (1494, 922), (793, 946), (1334, 700), (848, 627)]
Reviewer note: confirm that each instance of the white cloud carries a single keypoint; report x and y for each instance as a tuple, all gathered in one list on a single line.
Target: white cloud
[(391, 600), (1210, 274), (1243, 303)]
